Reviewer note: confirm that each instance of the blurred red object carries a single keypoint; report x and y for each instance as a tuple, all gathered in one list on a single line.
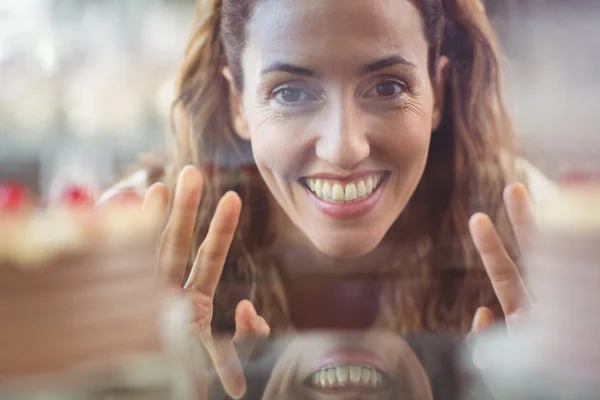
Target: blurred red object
[(581, 177), (13, 197), (77, 196)]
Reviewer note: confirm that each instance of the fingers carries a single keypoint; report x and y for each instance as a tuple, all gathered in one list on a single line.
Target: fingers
[(518, 203), (503, 273), (157, 198), (210, 260), (248, 323), (483, 320), (177, 238), (248, 326), (227, 365)]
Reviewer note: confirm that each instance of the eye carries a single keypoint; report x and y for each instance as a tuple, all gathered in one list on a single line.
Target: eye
[(290, 95), (387, 89)]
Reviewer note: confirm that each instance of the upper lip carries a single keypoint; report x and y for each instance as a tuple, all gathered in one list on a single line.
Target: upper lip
[(344, 178)]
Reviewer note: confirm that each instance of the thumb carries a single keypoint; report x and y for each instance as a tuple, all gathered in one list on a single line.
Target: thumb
[(248, 323), (483, 320)]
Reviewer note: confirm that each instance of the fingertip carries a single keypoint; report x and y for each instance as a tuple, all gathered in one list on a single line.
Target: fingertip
[(233, 196), (514, 189), (240, 387), (508, 189), (159, 187), (189, 176), (245, 308), (245, 316), (478, 220), (189, 169), (157, 197), (232, 202), (483, 320)]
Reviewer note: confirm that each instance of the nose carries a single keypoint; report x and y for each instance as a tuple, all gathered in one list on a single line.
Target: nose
[(343, 141)]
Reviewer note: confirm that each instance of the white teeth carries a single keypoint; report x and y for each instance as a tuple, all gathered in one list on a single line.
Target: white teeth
[(316, 379), (318, 188), (327, 191), (365, 375), (350, 192), (347, 375), (336, 192), (342, 375), (369, 185), (361, 189), (331, 377)]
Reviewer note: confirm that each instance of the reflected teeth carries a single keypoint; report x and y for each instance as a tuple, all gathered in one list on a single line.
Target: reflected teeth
[(347, 376), (335, 192)]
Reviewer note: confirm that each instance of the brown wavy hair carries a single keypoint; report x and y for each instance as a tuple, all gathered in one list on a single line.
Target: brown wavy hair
[(439, 280)]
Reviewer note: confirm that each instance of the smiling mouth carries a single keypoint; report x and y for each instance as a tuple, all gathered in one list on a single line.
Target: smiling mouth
[(336, 192), (347, 377)]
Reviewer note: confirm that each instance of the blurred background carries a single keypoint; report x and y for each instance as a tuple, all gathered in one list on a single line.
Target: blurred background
[(97, 76)]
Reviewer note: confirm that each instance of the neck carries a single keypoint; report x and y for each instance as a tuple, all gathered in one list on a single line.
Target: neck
[(325, 292)]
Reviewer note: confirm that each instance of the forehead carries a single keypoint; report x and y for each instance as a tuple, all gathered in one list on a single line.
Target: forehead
[(336, 32)]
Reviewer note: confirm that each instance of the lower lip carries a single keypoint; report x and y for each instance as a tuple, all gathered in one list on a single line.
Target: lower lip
[(348, 210)]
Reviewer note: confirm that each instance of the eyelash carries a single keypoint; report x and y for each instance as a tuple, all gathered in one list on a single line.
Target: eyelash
[(281, 89), (311, 97)]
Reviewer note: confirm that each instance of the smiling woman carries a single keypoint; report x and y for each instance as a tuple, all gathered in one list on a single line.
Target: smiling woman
[(360, 137)]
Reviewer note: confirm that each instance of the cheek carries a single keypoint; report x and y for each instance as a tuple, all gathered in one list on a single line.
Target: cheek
[(278, 146), (407, 138)]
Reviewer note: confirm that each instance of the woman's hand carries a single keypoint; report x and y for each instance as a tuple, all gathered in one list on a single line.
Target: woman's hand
[(202, 282), (502, 271)]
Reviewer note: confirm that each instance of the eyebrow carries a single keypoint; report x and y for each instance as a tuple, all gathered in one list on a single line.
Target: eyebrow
[(289, 68), (378, 65), (384, 63)]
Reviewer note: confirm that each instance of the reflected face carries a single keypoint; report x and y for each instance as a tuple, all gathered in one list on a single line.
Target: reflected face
[(373, 365), (339, 107)]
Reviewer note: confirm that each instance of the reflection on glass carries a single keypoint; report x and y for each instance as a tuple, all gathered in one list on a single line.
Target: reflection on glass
[(354, 365)]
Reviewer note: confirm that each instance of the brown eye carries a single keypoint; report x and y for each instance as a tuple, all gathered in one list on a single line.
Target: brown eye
[(292, 95), (387, 89)]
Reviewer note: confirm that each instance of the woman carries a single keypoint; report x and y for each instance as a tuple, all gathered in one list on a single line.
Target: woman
[(374, 131)]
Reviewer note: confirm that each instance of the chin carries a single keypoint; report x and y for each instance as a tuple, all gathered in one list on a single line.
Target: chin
[(347, 247)]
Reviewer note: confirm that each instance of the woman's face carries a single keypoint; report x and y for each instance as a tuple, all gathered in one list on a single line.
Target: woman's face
[(339, 107)]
